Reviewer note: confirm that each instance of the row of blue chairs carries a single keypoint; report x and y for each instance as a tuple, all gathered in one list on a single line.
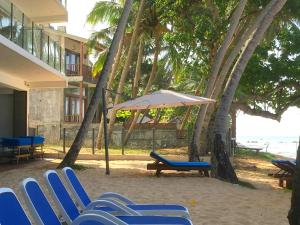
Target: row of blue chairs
[(108, 209)]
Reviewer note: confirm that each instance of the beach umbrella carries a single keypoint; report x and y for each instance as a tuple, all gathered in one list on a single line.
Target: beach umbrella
[(156, 100), (162, 99)]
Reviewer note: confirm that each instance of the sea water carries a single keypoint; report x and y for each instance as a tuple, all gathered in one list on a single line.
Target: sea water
[(285, 145)]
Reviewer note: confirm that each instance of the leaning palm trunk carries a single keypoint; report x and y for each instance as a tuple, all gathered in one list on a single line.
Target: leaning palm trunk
[(109, 86), (188, 111), (234, 21), (294, 212), (126, 66), (222, 167), (72, 154), (138, 69), (223, 75), (147, 89)]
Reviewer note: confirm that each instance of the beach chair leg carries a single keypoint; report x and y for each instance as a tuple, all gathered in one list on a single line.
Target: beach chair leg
[(158, 172), (206, 173), (280, 182)]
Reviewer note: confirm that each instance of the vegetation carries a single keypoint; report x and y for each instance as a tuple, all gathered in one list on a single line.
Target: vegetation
[(233, 51)]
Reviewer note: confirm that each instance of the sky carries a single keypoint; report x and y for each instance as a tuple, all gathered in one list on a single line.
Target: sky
[(246, 125)]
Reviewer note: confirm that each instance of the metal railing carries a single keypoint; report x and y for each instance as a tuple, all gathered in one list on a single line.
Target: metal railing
[(72, 118), (32, 38)]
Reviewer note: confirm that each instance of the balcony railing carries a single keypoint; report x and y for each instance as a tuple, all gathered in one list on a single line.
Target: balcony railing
[(72, 118), (31, 37), (74, 70)]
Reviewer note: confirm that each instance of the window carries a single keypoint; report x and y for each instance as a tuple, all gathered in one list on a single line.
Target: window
[(72, 63), (5, 18)]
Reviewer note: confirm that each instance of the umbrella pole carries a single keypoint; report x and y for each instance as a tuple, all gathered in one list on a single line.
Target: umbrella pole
[(106, 141)]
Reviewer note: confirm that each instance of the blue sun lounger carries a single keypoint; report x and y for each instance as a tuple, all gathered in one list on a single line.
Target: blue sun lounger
[(286, 171), (12, 212), (162, 163), (69, 210), (83, 199)]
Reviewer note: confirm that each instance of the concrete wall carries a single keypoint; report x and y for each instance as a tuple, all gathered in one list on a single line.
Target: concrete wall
[(46, 112), (141, 138)]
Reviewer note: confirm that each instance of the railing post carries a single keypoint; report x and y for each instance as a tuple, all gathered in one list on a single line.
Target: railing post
[(64, 140), (122, 141), (93, 144), (153, 139)]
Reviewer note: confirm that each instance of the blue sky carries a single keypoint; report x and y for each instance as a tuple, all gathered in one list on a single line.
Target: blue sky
[(246, 125)]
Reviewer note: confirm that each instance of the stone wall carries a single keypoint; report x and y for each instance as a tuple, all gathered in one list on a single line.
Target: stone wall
[(140, 138), (46, 113)]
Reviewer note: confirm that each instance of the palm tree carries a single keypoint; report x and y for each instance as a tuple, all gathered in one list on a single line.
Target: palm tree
[(234, 22), (72, 154), (221, 164), (127, 64)]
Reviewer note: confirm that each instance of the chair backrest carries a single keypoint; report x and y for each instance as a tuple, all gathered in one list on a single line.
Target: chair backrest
[(76, 188), (61, 196), (11, 211), (37, 203), (159, 158)]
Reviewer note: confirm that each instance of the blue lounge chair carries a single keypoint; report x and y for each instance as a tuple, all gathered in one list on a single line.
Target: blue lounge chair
[(83, 199), (12, 213), (69, 210), (286, 171), (162, 163)]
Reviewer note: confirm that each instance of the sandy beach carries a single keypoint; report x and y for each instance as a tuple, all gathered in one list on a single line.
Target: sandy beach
[(210, 201)]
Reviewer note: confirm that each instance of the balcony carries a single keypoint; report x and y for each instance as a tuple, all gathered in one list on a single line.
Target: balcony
[(44, 11), (73, 73)]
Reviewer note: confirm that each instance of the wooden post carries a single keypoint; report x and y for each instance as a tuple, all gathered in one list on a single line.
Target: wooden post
[(106, 141), (93, 144), (64, 140), (122, 140), (153, 139), (81, 83)]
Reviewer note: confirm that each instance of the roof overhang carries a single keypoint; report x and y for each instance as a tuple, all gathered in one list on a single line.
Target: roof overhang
[(43, 11), (21, 70)]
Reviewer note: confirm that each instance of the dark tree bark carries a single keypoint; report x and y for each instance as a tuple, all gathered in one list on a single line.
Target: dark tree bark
[(72, 154), (294, 213)]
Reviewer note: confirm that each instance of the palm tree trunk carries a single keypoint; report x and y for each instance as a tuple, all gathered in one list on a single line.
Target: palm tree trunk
[(72, 154), (294, 212), (126, 66), (138, 69), (112, 76), (223, 75), (222, 167), (188, 111), (147, 89), (234, 21)]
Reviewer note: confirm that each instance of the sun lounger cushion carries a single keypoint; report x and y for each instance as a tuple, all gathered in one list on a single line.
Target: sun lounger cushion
[(82, 196), (40, 203), (35, 140), (11, 211), (174, 163), (15, 142)]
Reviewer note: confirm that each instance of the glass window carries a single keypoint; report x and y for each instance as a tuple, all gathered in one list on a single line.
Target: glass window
[(45, 48), (5, 23), (17, 27), (37, 41), (27, 34)]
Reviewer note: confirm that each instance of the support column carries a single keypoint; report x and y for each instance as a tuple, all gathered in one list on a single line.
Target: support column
[(81, 84)]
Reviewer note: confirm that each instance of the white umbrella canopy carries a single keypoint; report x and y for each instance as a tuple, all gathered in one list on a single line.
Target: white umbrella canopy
[(162, 99)]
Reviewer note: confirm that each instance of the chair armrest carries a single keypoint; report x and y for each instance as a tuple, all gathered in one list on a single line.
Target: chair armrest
[(113, 205), (118, 197), (101, 214)]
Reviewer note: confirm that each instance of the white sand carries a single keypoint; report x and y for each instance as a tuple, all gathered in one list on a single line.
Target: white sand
[(210, 201)]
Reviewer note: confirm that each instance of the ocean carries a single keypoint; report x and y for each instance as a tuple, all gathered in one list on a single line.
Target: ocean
[(285, 145)]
